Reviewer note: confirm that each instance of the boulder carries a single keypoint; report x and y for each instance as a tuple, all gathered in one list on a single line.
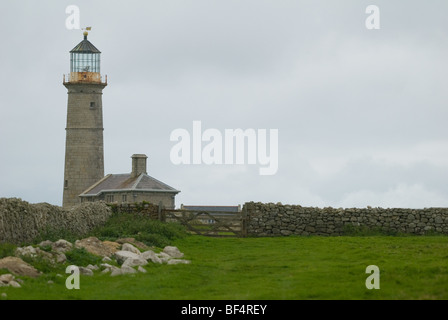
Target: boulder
[(61, 246), (122, 256), (85, 271), (28, 251), (19, 267), (14, 284), (132, 262), (113, 246), (164, 257), (60, 257), (127, 270), (46, 243), (95, 246), (141, 269), (173, 252), (6, 278), (136, 243), (130, 247), (150, 255)]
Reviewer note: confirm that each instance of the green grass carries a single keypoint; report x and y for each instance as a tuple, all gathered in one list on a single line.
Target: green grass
[(286, 268)]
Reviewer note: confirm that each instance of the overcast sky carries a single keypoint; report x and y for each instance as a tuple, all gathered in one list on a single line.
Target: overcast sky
[(361, 114)]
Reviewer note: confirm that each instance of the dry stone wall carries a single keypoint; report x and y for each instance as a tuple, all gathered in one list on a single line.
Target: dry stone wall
[(21, 222), (269, 219)]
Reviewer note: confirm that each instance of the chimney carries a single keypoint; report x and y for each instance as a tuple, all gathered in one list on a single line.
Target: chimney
[(138, 164)]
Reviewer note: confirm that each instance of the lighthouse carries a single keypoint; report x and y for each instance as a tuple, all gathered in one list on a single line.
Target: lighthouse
[(84, 147)]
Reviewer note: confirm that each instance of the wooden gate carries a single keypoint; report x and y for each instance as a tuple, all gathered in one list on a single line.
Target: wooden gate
[(208, 223)]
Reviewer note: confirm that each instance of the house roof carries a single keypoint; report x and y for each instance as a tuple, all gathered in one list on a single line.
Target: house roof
[(124, 182)]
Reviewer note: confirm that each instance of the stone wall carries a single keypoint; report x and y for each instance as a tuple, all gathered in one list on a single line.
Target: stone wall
[(21, 222), (271, 219), (149, 210)]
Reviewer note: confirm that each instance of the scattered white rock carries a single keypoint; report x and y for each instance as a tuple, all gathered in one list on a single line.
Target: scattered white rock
[(141, 269), (92, 267), (116, 272), (130, 247), (164, 257), (14, 284), (62, 246), (107, 259), (85, 271), (127, 270), (8, 280), (46, 243), (122, 256), (173, 252), (132, 262), (60, 257), (28, 251), (4, 295), (150, 255)]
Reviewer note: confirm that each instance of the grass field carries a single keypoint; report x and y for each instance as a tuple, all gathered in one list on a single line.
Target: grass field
[(287, 268)]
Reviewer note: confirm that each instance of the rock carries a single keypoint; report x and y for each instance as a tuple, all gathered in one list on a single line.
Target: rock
[(141, 269), (106, 259), (14, 284), (173, 252), (132, 262), (50, 282), (19, 267), (62, 246), (85, 271), (60, 257), (95, 246), (92, 267), (115, 272), (6, 278), (127, 270), (150, 255), (136, 243), (164, 257), (28, 251), (108, 268), (130, 247), (178, 261), (121, 256), (4, 295), (46, 243), (113, 246)]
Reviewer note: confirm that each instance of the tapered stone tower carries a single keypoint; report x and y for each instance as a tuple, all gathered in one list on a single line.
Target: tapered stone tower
[(84, 150)]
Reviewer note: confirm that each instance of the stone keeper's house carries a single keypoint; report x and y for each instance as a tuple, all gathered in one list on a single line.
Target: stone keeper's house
[(136, 186)]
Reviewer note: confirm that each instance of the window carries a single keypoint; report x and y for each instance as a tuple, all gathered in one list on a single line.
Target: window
[(66, 184), (92, 105), (110, 198), (124, 198)]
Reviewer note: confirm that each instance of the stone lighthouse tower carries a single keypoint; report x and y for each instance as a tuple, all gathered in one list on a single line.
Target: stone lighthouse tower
[(84, 151)]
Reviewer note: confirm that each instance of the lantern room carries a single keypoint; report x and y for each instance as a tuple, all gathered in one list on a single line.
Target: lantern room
[(85, 62)]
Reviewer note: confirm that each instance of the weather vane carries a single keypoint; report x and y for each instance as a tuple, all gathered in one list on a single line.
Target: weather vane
[(86, 29)]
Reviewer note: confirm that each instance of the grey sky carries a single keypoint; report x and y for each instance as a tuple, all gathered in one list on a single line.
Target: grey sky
[(361, 113)]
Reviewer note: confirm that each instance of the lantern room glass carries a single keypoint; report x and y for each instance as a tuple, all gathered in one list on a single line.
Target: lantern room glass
[(84, 62)]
